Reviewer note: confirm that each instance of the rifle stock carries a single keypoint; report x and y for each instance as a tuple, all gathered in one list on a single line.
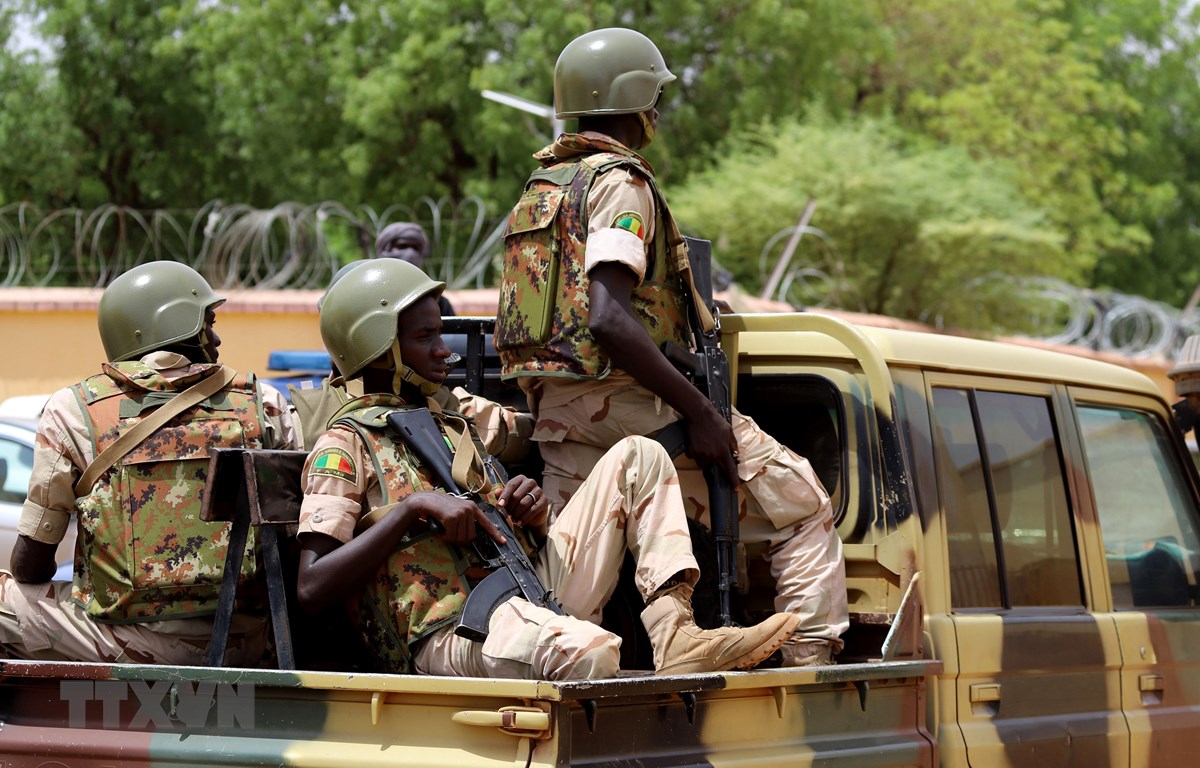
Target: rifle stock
[(512, 573)]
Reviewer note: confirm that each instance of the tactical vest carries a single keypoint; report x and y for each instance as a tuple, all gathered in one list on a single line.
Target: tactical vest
[(421, 587), (542, 324), (144, 554)]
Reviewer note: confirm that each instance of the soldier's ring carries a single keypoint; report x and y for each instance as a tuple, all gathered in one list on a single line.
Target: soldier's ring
[(533, 499)]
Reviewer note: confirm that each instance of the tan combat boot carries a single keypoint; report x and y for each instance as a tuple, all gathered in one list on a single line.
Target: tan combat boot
[(681, 647)]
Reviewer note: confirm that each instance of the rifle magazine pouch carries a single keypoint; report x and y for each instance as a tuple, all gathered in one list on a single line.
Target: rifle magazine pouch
[(532, 250)]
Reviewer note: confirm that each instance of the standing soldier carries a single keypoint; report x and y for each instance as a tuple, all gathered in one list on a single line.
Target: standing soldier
[(127, 451), (368, 535), (594, 281)]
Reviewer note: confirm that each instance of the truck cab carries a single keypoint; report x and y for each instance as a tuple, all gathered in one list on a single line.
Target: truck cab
[(1038, 509)]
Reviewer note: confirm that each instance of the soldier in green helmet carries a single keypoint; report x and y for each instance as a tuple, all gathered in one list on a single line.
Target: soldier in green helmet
[(368, 541), (596, 278), (127, 452)]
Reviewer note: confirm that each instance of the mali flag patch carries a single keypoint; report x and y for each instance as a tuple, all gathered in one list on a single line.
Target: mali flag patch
[(333, 462), (631, 221)]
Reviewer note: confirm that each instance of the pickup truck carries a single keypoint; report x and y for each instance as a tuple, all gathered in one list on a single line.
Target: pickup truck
[(1022, 553)]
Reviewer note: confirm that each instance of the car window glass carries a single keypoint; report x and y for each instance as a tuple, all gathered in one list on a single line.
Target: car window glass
[(1146, 510), (1004, 501), (16, 464)]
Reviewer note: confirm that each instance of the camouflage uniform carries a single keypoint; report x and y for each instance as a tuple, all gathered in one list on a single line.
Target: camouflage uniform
[(407, 613), (144, 589), (582, 410), (505, 431)]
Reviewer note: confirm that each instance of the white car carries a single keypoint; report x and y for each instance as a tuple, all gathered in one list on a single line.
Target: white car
[(16, 464)]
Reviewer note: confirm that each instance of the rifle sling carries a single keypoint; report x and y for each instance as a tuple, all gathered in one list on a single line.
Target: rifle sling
[(193, 395), (465, 457)]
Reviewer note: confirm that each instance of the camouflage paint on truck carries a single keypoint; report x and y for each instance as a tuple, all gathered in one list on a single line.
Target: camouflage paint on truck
[(1054, 551), (857, 715)]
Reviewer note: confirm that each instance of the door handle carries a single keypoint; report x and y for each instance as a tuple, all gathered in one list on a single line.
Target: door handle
[(527, 722), (985, 692), (1150, 681)]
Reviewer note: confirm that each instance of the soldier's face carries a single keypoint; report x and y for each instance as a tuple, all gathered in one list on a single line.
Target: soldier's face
[(406, 247), (420, 337)]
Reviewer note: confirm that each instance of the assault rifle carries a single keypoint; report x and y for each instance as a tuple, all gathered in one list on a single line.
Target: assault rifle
[(708, 369), (512, 573)]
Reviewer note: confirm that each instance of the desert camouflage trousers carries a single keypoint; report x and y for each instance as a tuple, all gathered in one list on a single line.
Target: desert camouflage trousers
[(784, 510), (40, 622), (629, 502)]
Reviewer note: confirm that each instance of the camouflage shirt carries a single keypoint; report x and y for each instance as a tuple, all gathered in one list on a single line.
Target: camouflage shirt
[(142, 553), (355, 467)]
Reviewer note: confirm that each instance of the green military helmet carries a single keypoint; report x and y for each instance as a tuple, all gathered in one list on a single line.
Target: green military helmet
[(611, 71), (153, 306), (360, 310)]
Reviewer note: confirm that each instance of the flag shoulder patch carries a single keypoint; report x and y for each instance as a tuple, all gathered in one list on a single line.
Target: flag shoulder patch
[(334, 462), (630, 221)]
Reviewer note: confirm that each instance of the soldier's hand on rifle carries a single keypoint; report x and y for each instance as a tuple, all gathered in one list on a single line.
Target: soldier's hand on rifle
[(524, 502), (711, 441), (457, 516)]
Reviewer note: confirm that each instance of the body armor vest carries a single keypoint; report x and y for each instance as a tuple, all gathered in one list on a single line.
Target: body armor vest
[(143, 552), (421, 587), (542, 324)]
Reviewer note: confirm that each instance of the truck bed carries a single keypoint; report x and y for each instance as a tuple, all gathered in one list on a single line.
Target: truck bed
[(83, 714)]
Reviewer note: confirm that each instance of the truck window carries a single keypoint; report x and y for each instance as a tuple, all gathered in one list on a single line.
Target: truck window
[(1145, 507), (1008, 522), (804, 413)]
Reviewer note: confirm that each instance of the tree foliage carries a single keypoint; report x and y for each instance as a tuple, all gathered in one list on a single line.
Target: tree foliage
[(906, 241), (1089, 105)]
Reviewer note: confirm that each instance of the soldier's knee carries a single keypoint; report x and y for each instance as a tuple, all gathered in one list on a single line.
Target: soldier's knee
[(645, 449)]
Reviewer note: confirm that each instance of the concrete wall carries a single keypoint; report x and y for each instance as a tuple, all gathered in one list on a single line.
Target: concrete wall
[(48, 336), (49, 340)]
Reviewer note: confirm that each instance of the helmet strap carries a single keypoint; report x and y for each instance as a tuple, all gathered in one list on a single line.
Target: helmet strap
[(402, 373), (647, 129), (202, 343)]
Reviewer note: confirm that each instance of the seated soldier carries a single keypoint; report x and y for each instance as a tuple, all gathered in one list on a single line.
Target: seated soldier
[(505, 431), (147, 569), (365, 521)]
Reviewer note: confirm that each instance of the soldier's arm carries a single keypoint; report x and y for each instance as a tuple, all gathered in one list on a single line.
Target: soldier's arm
[(613, 323), (334, 560), (280, 426), (57, 463), (506, 432), (330, 569), (33, 561)]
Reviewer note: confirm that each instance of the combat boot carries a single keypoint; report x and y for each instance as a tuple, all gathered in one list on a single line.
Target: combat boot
[(797, 652), (681, 647)]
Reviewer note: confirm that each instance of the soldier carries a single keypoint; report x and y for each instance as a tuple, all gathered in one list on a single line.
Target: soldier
[(1186, 375), (505, 431), (127, 451), (593, 284), (365, 521)]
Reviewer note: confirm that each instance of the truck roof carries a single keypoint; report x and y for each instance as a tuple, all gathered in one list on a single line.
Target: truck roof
[(766, 336)]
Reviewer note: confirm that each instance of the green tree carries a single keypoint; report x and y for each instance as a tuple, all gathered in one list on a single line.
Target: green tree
[(1152, 49), (39, 148), (1006, 79), (912, 223)]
